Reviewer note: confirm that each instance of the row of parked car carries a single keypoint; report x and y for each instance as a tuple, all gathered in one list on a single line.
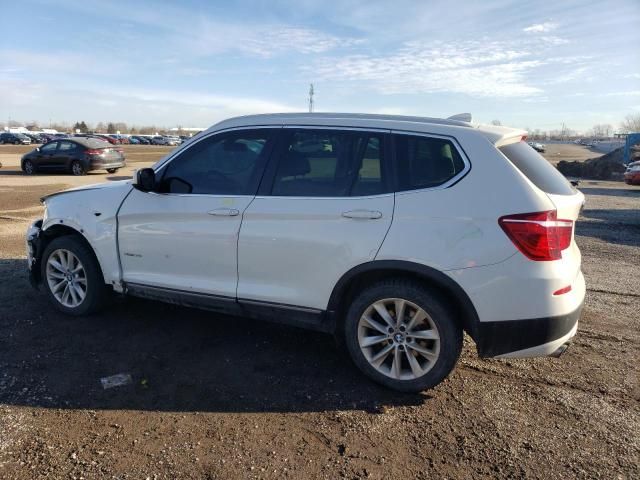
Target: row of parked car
[(43, 138)]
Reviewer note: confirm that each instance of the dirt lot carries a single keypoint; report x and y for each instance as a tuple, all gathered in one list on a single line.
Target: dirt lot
[(218, 397), (554, 152)]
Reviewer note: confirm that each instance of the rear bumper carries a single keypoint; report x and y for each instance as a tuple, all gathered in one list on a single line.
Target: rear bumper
[(103, 165), (534, 337)]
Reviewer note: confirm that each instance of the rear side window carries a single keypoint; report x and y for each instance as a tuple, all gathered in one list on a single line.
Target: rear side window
[(425, 162), (537, 169), (66, 146), (330, 163)]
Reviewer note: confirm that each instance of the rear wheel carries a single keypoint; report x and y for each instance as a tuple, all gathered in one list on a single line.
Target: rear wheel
[(112, 170), (402, 336), (28, 167), (72, 277), (77, 168)]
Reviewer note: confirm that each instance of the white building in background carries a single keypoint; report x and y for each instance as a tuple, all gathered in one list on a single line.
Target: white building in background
[(26, 130)]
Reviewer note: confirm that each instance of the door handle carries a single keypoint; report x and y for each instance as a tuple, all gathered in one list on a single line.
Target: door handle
[(224, 212), (363, 214)]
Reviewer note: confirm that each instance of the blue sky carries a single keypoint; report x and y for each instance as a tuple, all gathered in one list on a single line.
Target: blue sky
[(192, 63)]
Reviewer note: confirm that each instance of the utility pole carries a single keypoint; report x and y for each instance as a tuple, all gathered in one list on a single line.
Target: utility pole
[(311, 97)]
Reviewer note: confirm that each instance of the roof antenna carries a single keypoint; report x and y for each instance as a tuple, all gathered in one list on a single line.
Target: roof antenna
[(311, 97), (462, 117)]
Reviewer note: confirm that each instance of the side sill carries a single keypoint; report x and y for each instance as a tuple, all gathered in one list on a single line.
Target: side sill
[(307, 318)]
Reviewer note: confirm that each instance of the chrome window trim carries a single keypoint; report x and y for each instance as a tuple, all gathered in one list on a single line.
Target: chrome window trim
[(449, 183), (333, 127), (191, 144)]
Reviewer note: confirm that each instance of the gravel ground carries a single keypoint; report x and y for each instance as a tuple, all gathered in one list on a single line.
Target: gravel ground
[(219, 397)]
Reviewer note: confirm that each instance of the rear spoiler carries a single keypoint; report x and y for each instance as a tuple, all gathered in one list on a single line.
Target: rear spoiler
[(501, 136)]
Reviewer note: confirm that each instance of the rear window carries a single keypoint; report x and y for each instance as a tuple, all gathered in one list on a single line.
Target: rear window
[(537, 169), (96, 143)]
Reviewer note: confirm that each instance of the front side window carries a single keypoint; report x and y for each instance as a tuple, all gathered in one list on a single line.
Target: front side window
[(49, 147), (225, 164), (330, 163), (425, 162)]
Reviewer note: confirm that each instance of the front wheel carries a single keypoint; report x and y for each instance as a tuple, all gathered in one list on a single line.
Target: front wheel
[(402, 335), (112, 170), (77, 168), (28, 167), (72, 277)]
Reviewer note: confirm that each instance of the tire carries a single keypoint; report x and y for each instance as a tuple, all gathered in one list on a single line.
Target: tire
[(28, 167), (430, 318), (95, 290), (17, 142), (112, 170), (77, 169)]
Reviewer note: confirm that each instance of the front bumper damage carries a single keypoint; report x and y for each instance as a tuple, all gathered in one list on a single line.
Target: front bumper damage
[(34, 252)]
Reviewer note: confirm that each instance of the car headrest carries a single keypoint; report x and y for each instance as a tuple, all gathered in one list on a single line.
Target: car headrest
[(235, 147)]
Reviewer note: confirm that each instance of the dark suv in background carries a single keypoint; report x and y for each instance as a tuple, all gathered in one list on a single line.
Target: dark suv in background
[(15, 138)]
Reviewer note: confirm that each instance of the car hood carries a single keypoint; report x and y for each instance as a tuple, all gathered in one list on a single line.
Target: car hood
[(121, 184)]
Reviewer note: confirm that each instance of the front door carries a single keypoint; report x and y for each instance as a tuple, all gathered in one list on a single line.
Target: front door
[(45, 156), (184, 235)]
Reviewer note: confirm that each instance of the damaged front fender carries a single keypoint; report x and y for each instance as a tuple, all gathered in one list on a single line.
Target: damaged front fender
[(34, 252)]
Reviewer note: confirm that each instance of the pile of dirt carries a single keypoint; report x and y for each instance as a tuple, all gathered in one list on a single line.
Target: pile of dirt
[(606, 167)]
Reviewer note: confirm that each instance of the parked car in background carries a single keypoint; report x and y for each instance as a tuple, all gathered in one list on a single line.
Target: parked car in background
[(107, 138), (35, 138), (14, 138), (74, 155), (538, 147), (134, 141), (380, 231), (142, 140), (632, 174), (46, 137), (159, 140)]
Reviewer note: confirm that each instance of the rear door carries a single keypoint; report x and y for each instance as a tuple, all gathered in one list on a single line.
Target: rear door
[(324, 206), (66, 152)]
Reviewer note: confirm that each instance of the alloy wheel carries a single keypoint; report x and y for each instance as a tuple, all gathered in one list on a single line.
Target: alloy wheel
[(76, 168), (398, 338), (66, 278)]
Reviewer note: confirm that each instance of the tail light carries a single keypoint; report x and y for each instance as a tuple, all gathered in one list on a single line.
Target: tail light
[(540, 236), (93, 152)]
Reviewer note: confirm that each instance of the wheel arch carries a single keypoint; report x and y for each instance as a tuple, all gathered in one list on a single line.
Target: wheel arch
[(359, 277), (55, 231)]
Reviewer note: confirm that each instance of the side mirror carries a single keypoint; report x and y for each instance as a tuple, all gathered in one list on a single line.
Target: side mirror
[(145, 179)]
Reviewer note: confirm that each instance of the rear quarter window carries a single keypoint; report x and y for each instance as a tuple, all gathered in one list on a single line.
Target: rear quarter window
[(537, 169), (425, 162)]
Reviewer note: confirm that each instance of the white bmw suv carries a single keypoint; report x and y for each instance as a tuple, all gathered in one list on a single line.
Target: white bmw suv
[(397, 234)]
